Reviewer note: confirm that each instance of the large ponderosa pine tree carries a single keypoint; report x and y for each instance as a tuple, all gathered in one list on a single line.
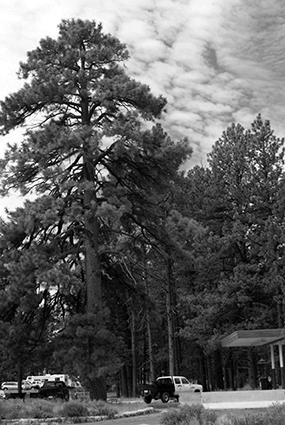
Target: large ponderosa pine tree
[(90, 160)]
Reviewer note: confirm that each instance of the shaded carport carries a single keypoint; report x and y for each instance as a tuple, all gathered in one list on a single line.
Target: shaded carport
[(258, 338)]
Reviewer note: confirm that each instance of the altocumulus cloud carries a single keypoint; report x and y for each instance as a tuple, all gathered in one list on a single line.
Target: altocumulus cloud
[(216, 61)]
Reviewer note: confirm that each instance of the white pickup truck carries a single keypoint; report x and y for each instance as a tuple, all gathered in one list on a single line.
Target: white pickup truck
[(182, 384)]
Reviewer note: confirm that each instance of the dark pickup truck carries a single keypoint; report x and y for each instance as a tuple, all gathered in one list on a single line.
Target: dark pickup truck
[(163, 389), (51, 389), (54, 389)]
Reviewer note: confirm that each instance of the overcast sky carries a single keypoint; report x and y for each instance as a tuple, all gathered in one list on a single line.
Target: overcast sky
[(216, 61)]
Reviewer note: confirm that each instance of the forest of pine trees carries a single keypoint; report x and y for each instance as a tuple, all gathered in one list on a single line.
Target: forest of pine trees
[(119, 266)]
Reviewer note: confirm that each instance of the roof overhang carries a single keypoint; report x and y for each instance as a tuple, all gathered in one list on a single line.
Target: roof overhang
[(254, 338)]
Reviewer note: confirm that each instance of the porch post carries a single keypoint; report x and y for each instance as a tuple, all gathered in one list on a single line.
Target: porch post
[(281, 364), (273, 375)]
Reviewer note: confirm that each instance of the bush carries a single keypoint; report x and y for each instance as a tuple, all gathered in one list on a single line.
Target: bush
[(275, 415), (12, 409), (39, 409), (187, 413), (73, 409), (101, 408), (250, 419), (17, 409)]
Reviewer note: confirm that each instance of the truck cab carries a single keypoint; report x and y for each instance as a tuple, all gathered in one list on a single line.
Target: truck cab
[(182, 384)]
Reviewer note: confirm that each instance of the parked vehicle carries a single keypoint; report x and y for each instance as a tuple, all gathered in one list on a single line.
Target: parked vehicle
[(13, 385), (163, 389), (52, 389), (182, 384), (37, 381)]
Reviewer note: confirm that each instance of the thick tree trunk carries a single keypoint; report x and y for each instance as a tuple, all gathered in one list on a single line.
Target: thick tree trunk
[(98, 389), (92, 261)]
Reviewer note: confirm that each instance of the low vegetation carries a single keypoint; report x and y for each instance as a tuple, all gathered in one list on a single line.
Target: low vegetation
[(16, 409), (195, 414), (198, 415)]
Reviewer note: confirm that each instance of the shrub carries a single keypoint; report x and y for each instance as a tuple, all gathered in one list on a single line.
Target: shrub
[(275, 414), (101, 408), (73, 409), (187, 413), (39, 409), (12, 409)]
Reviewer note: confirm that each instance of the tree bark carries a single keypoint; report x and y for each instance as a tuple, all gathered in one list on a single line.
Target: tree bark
[(98, 389), (150, 350), (124, 382), (134, 362), (252, 368), (92, 264), (170, 325), (20, 376)]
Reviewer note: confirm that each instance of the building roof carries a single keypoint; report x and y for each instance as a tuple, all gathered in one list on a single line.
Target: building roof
[(254, 337)]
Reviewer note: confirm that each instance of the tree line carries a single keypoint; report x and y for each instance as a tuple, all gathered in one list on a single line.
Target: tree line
[(120, 267)]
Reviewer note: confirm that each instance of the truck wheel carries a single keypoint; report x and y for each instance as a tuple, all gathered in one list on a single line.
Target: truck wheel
[(147, 399), (165, 397)]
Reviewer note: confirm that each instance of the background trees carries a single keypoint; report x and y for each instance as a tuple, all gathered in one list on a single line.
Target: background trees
[(243, 203)]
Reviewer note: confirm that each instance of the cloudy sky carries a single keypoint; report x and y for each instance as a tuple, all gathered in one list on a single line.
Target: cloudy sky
[(216, 61)]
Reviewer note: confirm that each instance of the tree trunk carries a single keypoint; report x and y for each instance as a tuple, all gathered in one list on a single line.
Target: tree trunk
[(92, 261), (124, 382), (134, 362), (98, 389), (218, 366), (150, 349), (170, 325), (149, 335), (20, 376), (252, 368)]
